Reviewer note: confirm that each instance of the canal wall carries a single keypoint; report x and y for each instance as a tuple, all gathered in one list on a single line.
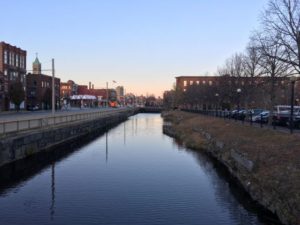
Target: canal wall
[(24, 144), (265, 163)]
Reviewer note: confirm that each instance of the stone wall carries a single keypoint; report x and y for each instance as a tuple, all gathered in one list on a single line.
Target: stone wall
[(25, 144), (245, 168)]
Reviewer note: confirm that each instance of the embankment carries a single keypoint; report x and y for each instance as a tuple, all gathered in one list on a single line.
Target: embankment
[(265, 162), (23, 144)]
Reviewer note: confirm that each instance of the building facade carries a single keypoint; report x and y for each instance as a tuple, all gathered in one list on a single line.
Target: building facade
[(12, 69), (39, 89), (68, 89), (228, 92), (120, 94)]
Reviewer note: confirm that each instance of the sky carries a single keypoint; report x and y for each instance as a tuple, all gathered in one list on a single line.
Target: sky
[(141, 44)]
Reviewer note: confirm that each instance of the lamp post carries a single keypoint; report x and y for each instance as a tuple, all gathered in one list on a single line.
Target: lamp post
[(238, 93), (293, 80), (217, 104), (107, 95)]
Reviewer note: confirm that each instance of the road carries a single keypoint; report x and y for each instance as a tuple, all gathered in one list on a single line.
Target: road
[(27, 115)]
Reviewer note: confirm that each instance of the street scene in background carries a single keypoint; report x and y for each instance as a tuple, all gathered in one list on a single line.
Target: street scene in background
[(129, 112)]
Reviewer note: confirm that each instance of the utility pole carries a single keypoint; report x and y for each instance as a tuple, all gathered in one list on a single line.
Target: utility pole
[(53, 88), (107, 94)]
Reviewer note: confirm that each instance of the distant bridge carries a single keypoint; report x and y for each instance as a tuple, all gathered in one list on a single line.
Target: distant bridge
[(151, 109)]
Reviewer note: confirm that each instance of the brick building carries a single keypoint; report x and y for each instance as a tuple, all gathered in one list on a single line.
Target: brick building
[(255, 92), (39, 88), (1, 90), (12, 68), (67, 89), (100, 94), (183, 82)]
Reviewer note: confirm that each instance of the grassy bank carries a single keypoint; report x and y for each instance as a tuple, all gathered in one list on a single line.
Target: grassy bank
[(266, 162)]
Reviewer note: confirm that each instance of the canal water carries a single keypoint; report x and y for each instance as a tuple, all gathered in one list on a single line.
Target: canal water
[(133, 174)]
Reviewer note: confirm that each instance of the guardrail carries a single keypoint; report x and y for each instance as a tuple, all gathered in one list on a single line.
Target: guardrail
[(8, 127), (244, 119)]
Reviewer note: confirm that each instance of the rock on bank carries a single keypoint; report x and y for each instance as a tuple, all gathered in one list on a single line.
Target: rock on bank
[(265, 162)]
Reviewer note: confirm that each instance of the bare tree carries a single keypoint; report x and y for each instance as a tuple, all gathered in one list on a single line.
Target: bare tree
[(16, 93), (252, 70), (270, 54), (233, 77), (281, 22)]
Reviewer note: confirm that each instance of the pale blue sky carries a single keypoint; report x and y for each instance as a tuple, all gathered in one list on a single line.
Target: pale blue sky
[(142, 44)]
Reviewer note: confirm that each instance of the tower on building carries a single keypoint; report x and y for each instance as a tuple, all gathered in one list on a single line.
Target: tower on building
[(36, 66)]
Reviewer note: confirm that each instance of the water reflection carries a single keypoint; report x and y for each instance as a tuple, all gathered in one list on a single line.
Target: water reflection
[(228, 192), (150, 179), (52, 211)]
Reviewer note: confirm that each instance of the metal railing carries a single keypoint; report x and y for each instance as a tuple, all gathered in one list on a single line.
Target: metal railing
[(8, 127), (244, 119)]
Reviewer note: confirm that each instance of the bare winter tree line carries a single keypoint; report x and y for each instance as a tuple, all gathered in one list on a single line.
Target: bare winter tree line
[(262, 71)]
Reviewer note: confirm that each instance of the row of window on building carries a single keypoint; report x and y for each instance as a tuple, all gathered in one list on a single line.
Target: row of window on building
[(210, 83), (13, 59)]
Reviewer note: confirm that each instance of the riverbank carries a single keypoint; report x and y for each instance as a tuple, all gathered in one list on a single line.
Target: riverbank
[(265, 162), (23, 144)]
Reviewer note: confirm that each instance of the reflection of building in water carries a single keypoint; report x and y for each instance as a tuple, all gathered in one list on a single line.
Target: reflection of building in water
[(227, 193), (106, 146), (52, 207)]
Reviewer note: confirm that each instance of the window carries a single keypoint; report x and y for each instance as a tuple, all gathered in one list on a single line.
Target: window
[(185, 83), (243, 83), (197, 82), (10, 58), (17, 60), (5, 57), (21, 62), (191, 82), (203, 82), (5, 72), (210, 83)]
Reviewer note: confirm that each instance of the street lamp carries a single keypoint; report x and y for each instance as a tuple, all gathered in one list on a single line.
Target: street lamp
[(293, 81), (239, 93), (217, 105)]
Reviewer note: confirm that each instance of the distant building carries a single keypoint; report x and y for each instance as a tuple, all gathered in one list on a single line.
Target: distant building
[(223, 89), (12, 68), (1, 90), (68, 89), (120, 94), (183, 82), (101, 93), (39, 88)]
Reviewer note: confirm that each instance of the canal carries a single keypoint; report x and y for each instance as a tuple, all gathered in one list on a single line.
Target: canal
[(132, 174)]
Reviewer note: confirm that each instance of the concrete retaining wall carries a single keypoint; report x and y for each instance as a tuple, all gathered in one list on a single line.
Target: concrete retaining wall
[(22, 145)]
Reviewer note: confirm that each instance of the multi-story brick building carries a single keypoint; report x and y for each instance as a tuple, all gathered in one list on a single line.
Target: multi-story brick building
[(120, 94), (13, 68), (39, 88), (254, 91), (67, 89), (1, 90), (183, 82)]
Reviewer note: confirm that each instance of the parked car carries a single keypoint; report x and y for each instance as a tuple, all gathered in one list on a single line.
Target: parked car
[(234, 114), (32, 108), (253, 113), (282, 114), (241, 115), (261, 117)]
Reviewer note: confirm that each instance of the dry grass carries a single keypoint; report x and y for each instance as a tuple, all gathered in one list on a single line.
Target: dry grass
[(276, 155)]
